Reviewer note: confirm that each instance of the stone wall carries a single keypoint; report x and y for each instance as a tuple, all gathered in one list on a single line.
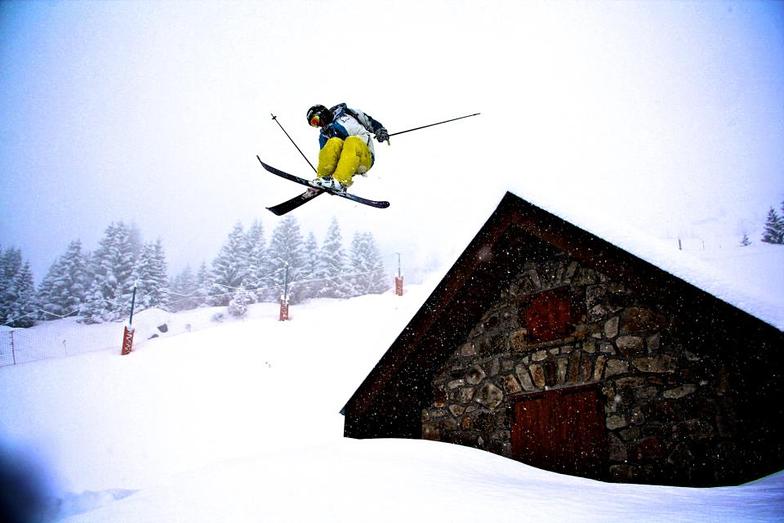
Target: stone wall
[(560, 324)]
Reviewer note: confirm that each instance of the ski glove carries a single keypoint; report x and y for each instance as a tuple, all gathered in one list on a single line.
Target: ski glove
[(382, 135)]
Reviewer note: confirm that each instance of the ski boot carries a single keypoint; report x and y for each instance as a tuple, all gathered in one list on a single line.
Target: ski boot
[(328, 182)]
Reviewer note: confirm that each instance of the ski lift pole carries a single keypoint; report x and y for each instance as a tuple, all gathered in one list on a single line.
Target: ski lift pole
[(275, 119), (433, 124)]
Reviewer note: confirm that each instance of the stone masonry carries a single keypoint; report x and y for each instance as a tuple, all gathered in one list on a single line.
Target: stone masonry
[(665, 412)]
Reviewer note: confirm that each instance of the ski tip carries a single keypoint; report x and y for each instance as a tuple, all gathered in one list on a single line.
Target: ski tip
[(275, 211)]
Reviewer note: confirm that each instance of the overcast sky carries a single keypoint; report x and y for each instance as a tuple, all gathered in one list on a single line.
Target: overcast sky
[(668, 117)]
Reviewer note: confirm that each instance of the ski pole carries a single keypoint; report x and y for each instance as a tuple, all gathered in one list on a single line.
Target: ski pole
[(275, 118), (432, 124)]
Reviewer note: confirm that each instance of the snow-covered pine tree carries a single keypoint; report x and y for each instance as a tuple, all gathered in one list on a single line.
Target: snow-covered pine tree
[(230, 267), (203, 283), (10, 265), (24, 308), (333, 271), (48, 308), (258, 264), (238, 306), (95, 307), (18, 300), (112, 267), (367, 268), (780, 227), (63, 289), (310, 285), (3, 284), (151, 278), (745, 241), (287, 252), (177, 293), (184, 291), (774, 228)]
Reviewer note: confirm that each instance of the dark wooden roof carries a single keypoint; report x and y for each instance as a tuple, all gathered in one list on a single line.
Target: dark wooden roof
[(389, 400)]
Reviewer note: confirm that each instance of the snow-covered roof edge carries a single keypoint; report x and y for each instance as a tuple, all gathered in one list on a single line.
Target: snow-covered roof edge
[(679, 264)]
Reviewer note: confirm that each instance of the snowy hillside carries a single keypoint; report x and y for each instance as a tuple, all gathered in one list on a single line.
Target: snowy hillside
[(240, 422)]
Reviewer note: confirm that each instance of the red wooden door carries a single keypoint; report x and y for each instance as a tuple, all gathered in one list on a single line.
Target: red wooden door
[(561, 430)]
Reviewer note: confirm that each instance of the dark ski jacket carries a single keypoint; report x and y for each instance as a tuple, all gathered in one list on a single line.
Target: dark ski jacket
[(350, 122)]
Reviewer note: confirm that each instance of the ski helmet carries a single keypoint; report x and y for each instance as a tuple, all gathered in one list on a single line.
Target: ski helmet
[(319, 116)]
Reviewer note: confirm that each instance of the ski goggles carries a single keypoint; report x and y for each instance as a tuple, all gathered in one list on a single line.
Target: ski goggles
[(315, 121)]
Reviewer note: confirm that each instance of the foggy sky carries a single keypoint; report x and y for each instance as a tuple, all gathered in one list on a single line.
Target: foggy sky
[(668, 117)]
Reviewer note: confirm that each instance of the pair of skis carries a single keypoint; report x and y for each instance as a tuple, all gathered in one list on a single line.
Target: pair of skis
[(311, 192), (315, 190)]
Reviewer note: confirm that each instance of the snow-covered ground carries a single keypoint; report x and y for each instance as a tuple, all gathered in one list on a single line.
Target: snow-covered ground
[(239, 421)]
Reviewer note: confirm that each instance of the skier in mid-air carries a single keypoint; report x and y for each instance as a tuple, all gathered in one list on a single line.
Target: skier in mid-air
[(346, 150), (346, 144)]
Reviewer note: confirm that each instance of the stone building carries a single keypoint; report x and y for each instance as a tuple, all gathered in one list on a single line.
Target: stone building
[(551, 346)]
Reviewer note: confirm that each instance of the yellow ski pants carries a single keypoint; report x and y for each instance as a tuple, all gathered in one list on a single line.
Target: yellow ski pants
[(343, 159)]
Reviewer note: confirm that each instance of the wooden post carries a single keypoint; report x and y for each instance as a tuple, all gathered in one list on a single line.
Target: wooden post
[(284, 299), (284, 310), (398, 278), (399, 285), (127, 343)]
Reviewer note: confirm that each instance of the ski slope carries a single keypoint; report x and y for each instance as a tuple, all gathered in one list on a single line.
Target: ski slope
[(238, 420)]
